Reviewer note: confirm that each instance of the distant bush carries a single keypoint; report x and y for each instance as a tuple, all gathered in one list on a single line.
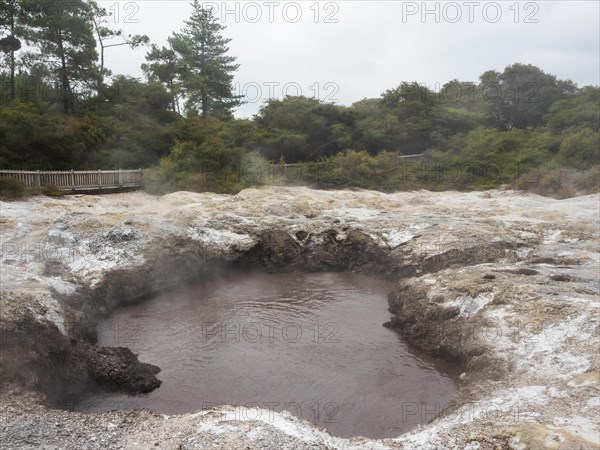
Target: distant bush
[(190, 173), (589, 181), (52, 190), (11, 189), (358, 169), (161, 179), (551, 183), (580, 149), (562, 183)]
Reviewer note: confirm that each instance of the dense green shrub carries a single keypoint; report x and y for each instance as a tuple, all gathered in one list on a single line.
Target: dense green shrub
[(589, 181), (580, 149), (11, 189), (52, 191), (561, 183)]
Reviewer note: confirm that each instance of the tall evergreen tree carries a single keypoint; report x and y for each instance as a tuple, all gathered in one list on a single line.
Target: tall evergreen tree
[(208, 75), (63, 34), (163, 65), (9, 19)]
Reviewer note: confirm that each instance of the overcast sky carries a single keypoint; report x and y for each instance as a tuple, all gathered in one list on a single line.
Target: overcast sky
[(344, 51)]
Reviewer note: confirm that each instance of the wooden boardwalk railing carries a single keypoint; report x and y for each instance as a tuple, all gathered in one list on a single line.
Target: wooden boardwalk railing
[(77, 180)]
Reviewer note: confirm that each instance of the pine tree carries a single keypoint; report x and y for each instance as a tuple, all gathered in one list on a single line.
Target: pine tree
[(63, 34), (208, 71), (163, 65), (9, 16)]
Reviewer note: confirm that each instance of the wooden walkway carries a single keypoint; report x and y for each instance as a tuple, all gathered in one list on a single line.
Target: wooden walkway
[(77, 180)]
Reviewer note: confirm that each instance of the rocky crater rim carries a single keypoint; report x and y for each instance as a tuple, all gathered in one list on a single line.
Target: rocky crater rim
[(480, 277)]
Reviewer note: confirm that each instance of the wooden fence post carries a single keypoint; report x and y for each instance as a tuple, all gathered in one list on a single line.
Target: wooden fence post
[(100, 179), (39, 179)]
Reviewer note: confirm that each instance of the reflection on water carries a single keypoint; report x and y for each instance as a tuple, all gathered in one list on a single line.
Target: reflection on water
[(311, 344)]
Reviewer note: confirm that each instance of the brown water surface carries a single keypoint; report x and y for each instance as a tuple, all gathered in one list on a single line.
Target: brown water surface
[(311, 344)]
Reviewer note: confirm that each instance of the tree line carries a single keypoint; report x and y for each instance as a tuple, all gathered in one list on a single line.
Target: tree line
[(62, 108)]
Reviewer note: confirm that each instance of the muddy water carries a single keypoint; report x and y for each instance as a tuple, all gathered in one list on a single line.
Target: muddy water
[(311, 344)]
